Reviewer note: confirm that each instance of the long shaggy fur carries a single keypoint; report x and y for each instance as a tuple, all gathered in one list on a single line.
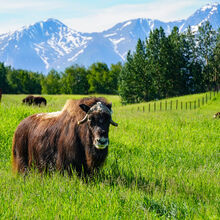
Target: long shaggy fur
[(49, 141)]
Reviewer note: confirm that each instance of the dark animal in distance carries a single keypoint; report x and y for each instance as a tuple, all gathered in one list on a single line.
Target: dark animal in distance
[(34, 100), (216, 115), (28, 100), (39, 100), (75, 138)]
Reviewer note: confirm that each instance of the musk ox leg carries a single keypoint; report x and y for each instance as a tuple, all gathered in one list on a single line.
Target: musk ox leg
[(19, 156)]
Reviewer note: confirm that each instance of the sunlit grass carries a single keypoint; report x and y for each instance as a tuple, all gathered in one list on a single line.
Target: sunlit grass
[(160, 165)]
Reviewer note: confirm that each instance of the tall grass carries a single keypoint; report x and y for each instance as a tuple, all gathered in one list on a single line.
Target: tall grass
[(160, 165)]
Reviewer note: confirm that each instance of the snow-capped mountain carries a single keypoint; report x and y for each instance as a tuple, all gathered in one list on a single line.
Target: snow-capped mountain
[(38, 46), (210, 12), (124, 35), (51, 44)]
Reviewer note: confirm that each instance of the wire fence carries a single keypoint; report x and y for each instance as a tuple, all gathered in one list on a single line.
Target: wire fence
[(178, 104)]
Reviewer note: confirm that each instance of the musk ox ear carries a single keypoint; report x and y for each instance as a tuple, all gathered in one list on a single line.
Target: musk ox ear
[(84, 107), (109, 106)]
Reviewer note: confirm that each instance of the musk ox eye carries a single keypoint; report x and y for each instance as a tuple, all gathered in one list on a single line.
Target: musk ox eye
[(92, 121)]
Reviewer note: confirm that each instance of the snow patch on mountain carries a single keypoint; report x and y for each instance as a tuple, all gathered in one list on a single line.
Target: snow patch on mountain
[(51, 44), (76, 55), (126, 24)]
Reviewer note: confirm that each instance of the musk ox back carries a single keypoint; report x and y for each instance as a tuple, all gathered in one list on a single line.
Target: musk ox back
[(39, 100), (75, 138)]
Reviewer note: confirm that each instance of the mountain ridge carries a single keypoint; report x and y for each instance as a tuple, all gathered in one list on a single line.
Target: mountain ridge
[(51, 44)]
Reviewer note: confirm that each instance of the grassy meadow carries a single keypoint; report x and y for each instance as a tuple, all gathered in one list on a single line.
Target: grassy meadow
[(160, 165)]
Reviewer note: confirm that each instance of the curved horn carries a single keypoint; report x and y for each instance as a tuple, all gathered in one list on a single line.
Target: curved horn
[(83, 120), (113, 123)]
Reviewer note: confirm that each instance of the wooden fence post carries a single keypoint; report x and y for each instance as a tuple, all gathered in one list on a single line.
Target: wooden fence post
[(176, 104), (160, 106), (206, 98), (181, 105), (155, 106), (195, 104), (198, 103), (171, 105), (165, 105), (202, 100), (143, 109)]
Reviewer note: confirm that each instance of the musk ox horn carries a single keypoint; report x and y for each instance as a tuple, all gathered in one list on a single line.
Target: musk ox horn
[(113, 123), (99, 107), (83, 120)]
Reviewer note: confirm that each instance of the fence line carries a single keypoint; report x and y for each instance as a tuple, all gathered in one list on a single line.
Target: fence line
[(178, 105)]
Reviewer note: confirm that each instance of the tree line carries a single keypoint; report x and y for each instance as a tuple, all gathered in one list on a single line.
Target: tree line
[(160, 67), (98, 78), (166, 66)]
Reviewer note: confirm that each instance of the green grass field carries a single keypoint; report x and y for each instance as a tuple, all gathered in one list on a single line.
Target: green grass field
[(160, 165)]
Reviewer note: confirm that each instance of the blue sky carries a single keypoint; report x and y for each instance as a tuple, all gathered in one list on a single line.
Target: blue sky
[(92, 15)]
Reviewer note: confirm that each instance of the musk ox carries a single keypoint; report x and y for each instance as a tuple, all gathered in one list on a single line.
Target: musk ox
[(75, 138), (216, 115), (34, 100)]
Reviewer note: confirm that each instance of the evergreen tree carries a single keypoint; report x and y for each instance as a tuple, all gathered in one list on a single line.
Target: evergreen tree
[(193, 65), (158, 58), (3, 79), (178, 72), (139, 68), (133, 80), (214, 65), (127, 83), (206, 42)]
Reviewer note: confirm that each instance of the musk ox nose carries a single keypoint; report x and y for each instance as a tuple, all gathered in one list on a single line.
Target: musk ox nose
[(102, 141)]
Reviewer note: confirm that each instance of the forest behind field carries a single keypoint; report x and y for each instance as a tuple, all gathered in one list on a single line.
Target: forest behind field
[(160, 67)]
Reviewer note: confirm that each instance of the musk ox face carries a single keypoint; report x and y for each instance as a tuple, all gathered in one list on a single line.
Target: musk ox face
[(98, 124), (98, 118)]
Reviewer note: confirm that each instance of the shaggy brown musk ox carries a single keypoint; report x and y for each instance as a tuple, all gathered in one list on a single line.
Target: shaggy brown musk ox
[(75, 138), (34, 100)]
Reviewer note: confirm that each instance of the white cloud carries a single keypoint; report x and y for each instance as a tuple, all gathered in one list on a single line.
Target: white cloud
[(105, 18), (82, 17)]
